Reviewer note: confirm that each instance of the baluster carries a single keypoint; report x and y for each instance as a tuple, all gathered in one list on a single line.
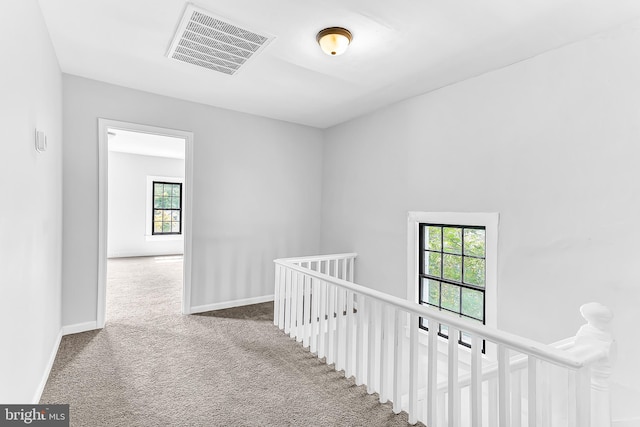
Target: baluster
[(583, 400), (493, 402), (294, 304), (324, 311), (397, 361), (287, 315), (276, 297), (432, 374), (442, 407), (503, 386), (572, 391), (331, 353), (333, 268), (516, 399), (351, 262), (342, 320), (349, 345), (282, 284), (300, 279), (413, 369), (323, 335), (476, 381), (340, 330), (360, 340), (454, 386), (543, 397), (532, 390), (307, 311), (315, 330), (383, 353), (371, 318)]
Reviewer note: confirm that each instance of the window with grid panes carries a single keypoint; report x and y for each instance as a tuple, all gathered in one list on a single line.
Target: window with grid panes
[(452, 272), (167, 208)]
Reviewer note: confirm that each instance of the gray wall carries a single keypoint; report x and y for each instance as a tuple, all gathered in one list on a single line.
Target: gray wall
[(130, 205), (256, 183), (551, 144), (31, 215)]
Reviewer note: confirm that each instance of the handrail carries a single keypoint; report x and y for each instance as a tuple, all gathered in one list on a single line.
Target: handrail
[(316, 258), (515, 342)]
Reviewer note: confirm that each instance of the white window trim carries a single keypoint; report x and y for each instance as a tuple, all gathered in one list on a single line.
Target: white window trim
[(488, 220), (149, 236)]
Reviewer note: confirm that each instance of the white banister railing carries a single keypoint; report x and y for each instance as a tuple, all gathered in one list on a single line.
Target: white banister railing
[(375, 338)]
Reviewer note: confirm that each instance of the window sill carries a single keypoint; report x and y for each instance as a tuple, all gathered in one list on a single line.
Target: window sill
[(162, 238)]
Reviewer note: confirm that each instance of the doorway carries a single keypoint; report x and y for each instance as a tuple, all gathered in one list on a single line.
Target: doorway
[(142, 212)]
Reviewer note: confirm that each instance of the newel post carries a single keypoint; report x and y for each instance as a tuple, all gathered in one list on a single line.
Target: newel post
[(596, 335)]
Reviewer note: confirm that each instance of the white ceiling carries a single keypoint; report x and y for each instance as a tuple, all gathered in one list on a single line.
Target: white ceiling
[(146, 144), (400, 49)]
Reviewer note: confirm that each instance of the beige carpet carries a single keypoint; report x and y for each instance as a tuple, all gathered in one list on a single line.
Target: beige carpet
[(151, 366)]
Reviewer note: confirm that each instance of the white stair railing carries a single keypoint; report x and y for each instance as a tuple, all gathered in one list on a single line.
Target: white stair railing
[(375, 338)]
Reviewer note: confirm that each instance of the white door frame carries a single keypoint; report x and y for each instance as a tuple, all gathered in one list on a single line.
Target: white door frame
[(103, 156)]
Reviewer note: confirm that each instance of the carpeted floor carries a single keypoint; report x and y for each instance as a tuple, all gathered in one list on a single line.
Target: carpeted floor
[(151, 366)]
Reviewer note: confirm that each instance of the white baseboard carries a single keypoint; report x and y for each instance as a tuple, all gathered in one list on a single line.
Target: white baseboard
[(230, 304), (629, 422), (79, 327), (47, 370), (143, 254)]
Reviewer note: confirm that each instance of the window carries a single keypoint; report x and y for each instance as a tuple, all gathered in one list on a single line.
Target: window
[(452, 285), (167, 208), (452, 271)]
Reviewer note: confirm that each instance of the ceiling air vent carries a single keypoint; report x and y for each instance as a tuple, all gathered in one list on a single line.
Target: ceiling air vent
[(208, 41)]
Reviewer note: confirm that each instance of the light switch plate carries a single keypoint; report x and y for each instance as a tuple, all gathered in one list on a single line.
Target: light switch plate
[(41, 141)]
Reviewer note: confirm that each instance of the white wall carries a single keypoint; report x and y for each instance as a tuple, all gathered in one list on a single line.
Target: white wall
[(257, 192), (551, 143), (31, 215), (129, 205)]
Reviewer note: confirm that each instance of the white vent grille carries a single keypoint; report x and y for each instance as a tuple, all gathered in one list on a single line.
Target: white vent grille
[(207, 41)]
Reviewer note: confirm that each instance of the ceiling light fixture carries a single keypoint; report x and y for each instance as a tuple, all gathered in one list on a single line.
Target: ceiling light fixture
[(334, 41)]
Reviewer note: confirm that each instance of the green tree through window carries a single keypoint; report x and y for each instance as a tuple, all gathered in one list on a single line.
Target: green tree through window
[(452, 271), (167, 208)]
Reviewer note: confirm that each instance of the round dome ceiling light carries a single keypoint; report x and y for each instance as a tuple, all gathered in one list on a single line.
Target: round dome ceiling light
[(334, 41)]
